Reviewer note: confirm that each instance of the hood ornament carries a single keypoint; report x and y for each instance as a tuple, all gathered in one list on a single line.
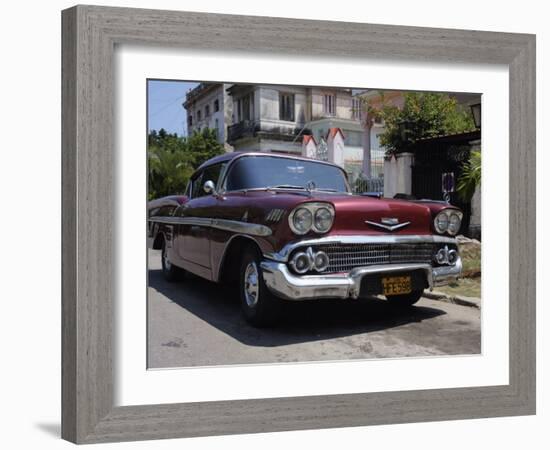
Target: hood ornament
[(310, 186), (388, 223)]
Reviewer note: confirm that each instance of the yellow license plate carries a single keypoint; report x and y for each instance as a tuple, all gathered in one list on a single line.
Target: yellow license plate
[(396, 285)]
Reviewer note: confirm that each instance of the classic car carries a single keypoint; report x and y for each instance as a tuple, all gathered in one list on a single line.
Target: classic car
[(283, 227)]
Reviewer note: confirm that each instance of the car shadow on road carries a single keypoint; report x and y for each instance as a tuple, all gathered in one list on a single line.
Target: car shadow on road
[(301, 321)]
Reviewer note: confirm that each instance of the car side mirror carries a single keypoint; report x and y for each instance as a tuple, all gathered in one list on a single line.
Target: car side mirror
[(209, 187)]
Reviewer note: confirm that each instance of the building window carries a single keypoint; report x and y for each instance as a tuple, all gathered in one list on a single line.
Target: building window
[(329, 104), (286, 107), (353, 138), (355, 108), (216, 105), (245, 107), (190, 120), (207, 111), (199, 115), (217, 128)]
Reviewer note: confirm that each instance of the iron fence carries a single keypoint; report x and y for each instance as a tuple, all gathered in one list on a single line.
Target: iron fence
[(362, 185)]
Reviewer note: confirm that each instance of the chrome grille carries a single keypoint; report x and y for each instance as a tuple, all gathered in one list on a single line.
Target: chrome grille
[(343, 258)]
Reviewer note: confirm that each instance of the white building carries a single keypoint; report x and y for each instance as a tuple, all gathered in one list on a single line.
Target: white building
[(267, 118), (209, 106), (275, 118)]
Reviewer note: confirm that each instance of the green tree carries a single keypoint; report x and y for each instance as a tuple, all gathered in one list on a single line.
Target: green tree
[(173, 159), (423, 115), (204, 145), (470, 177)]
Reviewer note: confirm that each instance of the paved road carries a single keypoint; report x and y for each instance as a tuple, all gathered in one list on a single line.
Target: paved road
[(198, 323)]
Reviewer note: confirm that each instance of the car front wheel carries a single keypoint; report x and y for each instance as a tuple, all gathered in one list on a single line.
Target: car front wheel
[(169, 270), (260, 307), (405, 300)]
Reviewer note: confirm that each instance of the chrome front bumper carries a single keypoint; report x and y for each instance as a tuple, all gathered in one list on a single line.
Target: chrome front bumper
[(284, 284)]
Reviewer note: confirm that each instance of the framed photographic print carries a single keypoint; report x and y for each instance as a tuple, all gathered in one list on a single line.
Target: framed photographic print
[(266, 230)]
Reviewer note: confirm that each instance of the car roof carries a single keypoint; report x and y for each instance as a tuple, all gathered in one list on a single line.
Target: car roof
[(219, 159), (229, 156)]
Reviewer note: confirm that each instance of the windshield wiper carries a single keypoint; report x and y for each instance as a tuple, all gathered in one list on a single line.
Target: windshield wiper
[(287, 186)]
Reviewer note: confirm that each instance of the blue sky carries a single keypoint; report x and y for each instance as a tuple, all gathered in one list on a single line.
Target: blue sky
[(164, 108)]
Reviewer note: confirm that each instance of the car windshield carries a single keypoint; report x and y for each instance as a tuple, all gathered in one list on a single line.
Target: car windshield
[(251, 172)]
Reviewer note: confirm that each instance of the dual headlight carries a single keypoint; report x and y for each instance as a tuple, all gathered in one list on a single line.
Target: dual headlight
[(448, 221), (304, 261), (315, 216)]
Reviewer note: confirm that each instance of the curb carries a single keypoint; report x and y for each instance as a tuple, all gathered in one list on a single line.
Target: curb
[(472, 302)]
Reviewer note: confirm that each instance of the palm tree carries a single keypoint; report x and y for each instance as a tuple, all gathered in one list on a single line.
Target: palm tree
[(470, 177), (168, 172)]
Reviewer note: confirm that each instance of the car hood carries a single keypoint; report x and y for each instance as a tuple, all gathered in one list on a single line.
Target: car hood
[(378, 215), (369, 215), (352, 211)]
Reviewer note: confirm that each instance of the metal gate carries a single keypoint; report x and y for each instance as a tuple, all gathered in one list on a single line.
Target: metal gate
[(432, 159)]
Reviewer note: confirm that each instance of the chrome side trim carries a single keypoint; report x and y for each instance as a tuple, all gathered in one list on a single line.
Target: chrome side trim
[(282, 255), (173, 220), (275, 215), (163, 201), (234, 226)]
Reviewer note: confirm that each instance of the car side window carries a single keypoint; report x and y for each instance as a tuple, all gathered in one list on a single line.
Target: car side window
[(196, 185), (210, 173), (188, 190)]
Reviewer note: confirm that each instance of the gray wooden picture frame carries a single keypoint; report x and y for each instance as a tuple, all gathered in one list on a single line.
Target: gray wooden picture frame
[(90, 34)]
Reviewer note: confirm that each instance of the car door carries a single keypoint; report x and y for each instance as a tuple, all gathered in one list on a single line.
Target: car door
[(194, 233)]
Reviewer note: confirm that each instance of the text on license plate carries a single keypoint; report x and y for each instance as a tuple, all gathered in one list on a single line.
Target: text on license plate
[(396, 285)]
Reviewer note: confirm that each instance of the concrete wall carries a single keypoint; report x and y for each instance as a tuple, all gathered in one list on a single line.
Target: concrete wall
[(309, 147), (475, 204), (475, 217), (398, 174), (335, 143)]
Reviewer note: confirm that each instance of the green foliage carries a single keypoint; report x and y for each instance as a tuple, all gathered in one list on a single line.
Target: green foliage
[(470, 177), (173, 159), (423, 115)]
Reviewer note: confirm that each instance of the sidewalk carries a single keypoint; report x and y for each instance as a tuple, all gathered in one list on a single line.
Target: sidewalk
[(473, 302)]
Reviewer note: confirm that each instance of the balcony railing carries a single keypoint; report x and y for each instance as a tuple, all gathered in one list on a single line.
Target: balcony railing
[(250, 128), (246, 128)]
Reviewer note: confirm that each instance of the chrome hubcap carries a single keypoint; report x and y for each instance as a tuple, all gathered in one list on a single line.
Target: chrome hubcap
[(165, 260), (251, 287)]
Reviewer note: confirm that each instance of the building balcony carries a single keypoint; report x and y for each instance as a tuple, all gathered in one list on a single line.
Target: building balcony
[(240, 130), (265, 130)]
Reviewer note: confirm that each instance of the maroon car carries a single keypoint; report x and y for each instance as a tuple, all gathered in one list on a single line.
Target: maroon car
[(287, 227)]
